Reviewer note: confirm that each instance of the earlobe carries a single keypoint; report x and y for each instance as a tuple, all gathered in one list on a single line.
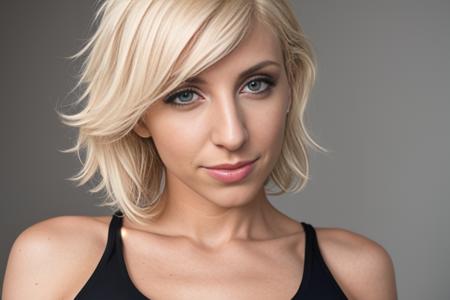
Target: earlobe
[(141, 130)]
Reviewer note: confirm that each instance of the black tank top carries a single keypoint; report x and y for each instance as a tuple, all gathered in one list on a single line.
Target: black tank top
[(110, 279)]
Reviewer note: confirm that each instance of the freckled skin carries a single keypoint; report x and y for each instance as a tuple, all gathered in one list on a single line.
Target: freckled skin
[(222, 124)]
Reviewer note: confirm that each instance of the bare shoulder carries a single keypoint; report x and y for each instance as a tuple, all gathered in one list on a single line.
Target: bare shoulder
[(361, 266), (49, 254)]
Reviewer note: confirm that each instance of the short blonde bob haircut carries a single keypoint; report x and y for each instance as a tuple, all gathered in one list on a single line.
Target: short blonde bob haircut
[(142, 50)]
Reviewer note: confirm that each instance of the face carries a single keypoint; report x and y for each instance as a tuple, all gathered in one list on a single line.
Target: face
[(220, 118)]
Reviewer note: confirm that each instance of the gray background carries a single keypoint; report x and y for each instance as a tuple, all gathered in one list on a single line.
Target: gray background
[(381, 105)]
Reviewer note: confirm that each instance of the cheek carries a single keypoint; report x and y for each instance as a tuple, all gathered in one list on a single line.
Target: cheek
[(267, 122), (176, 141), (268, 131)]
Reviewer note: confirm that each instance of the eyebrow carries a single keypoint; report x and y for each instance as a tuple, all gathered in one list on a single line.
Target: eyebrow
[(244, 73)]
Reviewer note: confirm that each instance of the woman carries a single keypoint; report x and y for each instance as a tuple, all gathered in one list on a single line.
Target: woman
[(191, 109)]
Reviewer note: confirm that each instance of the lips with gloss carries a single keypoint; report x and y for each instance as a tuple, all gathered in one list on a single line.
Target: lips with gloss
[(231, 175)]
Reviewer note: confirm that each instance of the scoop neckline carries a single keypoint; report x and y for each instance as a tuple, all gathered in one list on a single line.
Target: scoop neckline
[(300, 291)]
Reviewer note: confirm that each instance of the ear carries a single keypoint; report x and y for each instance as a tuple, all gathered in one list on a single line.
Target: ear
[(141, 129)]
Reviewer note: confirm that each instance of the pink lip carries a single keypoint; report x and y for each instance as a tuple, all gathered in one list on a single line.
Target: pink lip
[(231, 175), (231, 166)]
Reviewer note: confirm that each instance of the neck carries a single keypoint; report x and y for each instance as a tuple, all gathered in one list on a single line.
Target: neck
[(210, 225)]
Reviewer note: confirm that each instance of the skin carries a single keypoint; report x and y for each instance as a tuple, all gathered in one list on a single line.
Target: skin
[(213, 239), (225, 122)]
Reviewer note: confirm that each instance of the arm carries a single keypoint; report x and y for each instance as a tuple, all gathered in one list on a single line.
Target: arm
[(377, 275), (362, 267), (28, 271), (53, 258)]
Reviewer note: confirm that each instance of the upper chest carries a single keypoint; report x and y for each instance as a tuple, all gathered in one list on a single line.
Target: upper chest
[(162, 268)]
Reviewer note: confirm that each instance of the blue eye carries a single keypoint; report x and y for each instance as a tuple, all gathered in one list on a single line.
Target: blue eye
[(186, 95), (254, 84)]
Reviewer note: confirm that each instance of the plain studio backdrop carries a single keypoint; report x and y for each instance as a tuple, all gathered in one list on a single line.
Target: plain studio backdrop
[(381, 104)]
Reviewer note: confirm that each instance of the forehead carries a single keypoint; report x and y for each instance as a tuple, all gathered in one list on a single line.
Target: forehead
[(260, 43)]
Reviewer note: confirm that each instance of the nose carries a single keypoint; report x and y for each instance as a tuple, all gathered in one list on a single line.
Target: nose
[(229, 129)]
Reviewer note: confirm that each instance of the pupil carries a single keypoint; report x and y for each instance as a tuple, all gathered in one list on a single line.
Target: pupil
[(254, 83), (185, 94)]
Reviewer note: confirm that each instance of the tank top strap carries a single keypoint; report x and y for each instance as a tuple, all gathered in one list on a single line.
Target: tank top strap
[(116, 221), (113, 231), (311, 237), (313, 245), (317, 272), (118, 265), (309, 252), (105, 260)]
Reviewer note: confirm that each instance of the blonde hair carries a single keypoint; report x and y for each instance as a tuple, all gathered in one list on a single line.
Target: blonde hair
[(143, 49)]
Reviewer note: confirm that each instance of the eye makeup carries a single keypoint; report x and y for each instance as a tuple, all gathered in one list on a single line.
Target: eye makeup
[(262, 78)]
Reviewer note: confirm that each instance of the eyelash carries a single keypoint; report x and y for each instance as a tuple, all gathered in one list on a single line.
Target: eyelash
[(266, 79)]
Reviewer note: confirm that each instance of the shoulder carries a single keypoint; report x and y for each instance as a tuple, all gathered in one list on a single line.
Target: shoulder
[(361, 266), (50, 253)]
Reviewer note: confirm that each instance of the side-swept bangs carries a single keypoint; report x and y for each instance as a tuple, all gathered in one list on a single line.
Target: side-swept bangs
[(143, 49)]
